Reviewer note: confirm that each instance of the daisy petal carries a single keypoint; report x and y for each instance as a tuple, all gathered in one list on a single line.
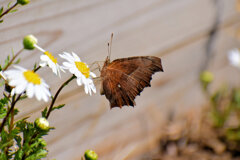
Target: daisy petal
[(20, 88), (30, 90), (76, 58), (92, 74)]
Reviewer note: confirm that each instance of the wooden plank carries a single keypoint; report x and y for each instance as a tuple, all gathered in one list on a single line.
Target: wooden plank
[(181, 89), (116, 135), (191, 23)]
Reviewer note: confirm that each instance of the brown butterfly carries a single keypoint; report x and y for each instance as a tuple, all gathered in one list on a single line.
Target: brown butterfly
[(123, 79)]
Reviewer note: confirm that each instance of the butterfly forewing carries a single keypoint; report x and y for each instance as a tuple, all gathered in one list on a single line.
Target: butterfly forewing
[(124, 79)]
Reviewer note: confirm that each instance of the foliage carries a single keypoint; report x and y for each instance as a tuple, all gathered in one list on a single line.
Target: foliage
[(23, 139), (9, 9), (28, 146), (225, 112)]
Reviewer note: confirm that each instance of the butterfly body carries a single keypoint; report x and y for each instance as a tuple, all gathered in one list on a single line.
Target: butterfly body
[(123, 79)]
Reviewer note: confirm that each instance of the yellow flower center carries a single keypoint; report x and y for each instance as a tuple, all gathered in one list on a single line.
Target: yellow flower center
[(83, 68), (32, 77), (50, 56)]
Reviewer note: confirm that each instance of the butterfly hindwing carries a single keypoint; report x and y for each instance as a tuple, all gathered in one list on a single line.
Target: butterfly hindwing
[(124, 79)]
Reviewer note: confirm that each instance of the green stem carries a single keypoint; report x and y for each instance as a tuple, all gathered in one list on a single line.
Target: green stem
[(8, 10), (57, 93), (11, 122), (9, 130), (14, 57), (9, 111), (36, 69)]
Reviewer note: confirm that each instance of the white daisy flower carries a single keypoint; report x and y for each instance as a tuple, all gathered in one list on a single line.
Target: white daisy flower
[(80, 70), (234, 58), (47, 59), (26, 80)]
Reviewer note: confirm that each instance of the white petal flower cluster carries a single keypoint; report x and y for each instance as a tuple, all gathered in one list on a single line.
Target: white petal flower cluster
[(26, 80), (23, 80), (80, 70), (47, 59)]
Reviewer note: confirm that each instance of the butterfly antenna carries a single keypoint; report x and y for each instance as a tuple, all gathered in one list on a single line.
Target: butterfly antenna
[(110, 46), (108, 52)]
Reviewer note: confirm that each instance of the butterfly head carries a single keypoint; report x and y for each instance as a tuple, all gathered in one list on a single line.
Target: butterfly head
[(107, 61)]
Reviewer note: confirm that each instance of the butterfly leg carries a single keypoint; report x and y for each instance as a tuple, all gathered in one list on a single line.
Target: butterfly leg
[(98, 65)]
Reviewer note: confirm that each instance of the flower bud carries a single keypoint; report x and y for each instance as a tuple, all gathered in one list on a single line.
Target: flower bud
[(206, 77), (23, 2), (90, 155), (29, 41), (42, 123)]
